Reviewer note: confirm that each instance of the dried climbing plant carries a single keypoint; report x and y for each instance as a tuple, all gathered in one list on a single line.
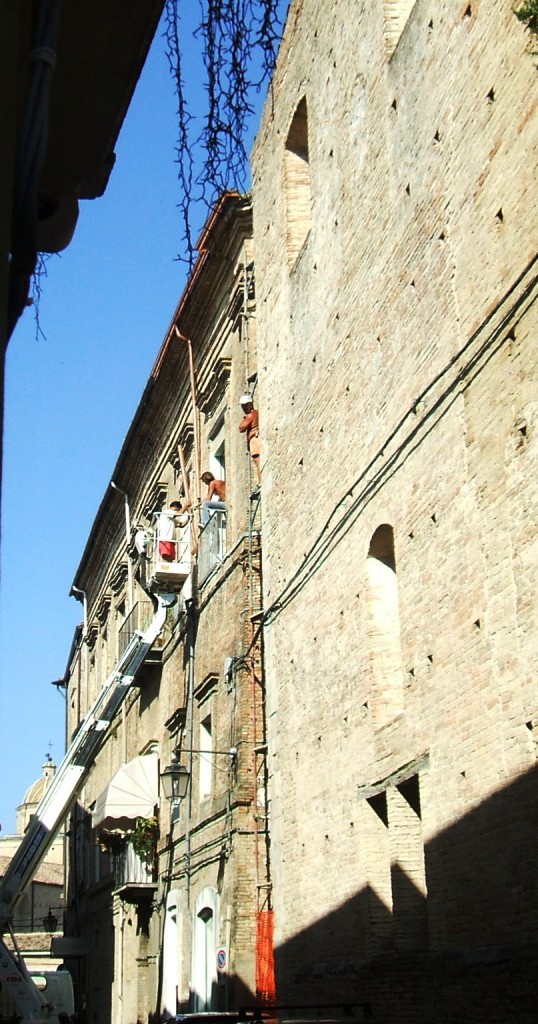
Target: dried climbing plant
[(528, 14), (239, 41)]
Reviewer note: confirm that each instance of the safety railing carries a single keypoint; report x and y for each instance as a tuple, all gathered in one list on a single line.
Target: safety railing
[(169, 562), (212, 544), (132, 869), (137, 621)]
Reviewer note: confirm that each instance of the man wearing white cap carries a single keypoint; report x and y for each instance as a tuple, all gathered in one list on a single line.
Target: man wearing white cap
[(250, 426)]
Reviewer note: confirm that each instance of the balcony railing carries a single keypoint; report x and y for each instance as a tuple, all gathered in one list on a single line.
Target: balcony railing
[(165, 572), (137, 620), (131, 869), (212, 544)]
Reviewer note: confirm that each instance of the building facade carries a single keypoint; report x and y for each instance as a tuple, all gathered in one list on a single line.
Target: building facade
[(369, 700), (173, 899), (395, 242)]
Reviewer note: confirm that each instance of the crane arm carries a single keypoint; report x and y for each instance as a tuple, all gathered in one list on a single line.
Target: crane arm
[(61, 794)]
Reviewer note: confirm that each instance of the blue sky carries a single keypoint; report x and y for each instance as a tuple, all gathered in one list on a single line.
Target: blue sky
[(70, 397)]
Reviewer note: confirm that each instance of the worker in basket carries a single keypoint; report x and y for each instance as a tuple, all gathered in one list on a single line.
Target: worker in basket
[(167, 520)]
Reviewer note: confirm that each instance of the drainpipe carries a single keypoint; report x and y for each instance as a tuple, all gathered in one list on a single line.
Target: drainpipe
[(184, 474), (73, 593), (192, 613), (181, 337), (121, 956), (127, 542)]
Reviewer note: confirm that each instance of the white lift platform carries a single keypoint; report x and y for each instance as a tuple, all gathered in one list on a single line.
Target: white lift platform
[(169, 574)]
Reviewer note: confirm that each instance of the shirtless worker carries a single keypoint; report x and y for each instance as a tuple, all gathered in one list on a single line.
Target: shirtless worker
[(250, 426), (215, 498)]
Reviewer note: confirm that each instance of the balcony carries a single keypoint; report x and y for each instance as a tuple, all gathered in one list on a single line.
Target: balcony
[(124, 817), (138, 621), (135, 876), (212, 544)]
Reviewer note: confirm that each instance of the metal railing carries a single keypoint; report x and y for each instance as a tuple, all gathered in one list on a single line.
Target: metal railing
[(131, 869), (212, 544), (181, 541), (137, 620)]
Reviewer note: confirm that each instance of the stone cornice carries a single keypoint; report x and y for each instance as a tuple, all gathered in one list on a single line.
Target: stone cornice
[(216, 385)]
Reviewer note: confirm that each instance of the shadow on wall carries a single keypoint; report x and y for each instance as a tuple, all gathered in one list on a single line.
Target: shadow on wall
[(230, 992), (467, 953), (89, 915), (149, 684)]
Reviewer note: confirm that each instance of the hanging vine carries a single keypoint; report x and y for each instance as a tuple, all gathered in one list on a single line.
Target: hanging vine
[(40, 273), (239, 41), (528, 14)]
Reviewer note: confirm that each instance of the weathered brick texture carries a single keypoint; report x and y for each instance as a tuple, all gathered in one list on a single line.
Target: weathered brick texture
[(397, 370), (199, 688)]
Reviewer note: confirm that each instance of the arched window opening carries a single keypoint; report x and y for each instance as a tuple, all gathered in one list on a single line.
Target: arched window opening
[(171, 956), (297, 184), (204, 973), (382, 546), (384, 626)]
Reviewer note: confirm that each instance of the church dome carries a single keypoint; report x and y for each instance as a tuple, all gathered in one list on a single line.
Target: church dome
[(34, 794)]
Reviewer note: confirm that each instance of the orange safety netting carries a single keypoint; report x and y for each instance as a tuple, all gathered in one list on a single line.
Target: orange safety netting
[(265, 960)]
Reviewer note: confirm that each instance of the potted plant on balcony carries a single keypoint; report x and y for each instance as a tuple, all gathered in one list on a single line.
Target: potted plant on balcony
[(144, 837)]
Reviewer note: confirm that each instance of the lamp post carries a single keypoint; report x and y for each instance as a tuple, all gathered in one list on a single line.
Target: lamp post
[(50, 922), (175, 780), (175, 777)]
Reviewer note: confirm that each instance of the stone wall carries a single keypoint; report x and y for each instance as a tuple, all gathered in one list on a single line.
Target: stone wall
[(397, 378)]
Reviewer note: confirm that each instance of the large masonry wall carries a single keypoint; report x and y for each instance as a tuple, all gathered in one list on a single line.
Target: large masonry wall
[(395, 239)]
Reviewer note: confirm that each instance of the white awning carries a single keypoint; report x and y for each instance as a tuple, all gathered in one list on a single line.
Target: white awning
[(132, 793)]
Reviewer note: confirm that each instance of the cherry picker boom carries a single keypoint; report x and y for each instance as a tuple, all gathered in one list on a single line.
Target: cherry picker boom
[(52, 810)]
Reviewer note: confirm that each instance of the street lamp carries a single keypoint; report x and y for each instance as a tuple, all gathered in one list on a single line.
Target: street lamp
[(175, 777), (50, 922), (175, 780)]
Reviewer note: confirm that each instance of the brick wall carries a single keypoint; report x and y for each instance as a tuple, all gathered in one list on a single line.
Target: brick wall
[(397, 378), (209, 846)]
